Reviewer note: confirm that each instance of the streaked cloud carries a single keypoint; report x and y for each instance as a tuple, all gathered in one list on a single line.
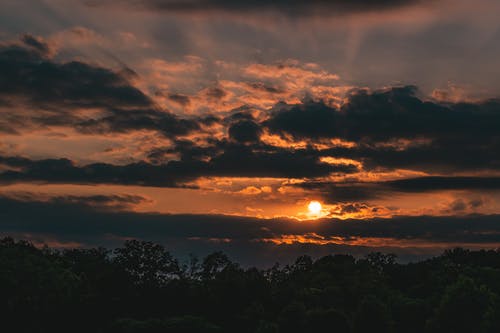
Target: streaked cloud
[(76, 222), (294, 7)]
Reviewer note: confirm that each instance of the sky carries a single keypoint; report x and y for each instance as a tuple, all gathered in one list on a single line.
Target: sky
[(211, 125)]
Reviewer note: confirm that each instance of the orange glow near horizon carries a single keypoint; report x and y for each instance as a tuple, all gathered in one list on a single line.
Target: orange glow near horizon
[(317, 239)]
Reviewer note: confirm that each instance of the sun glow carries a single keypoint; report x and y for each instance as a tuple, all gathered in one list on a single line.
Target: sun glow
[(314, 207)]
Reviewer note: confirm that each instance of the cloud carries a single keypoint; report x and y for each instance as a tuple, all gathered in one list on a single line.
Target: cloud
[(98, 202), (290, 7), (66, 171), (290, 69), (394, 128), (377, 130), (69, 94), (260, 160), (461, 205), (122, 121), (234, 160), (245, 131), (30, 74), (381, 116), (252, 190), (37, 43), (334, 192), (349, 191), (440, 183), (183, 100), (72, 221)]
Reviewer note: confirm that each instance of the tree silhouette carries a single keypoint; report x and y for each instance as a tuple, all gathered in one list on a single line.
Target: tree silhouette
[(146, 263), (462, 307), (141, 288)]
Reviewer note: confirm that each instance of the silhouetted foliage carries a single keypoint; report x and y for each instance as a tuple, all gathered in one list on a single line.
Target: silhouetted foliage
[(146, 263), (141, 288)]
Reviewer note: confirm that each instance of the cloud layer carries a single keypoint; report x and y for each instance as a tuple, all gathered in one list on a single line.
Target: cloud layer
[(83, 220), (263, 135), (293, 7)]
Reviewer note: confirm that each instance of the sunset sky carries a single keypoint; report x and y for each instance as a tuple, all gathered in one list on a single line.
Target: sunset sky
[(213, 124)]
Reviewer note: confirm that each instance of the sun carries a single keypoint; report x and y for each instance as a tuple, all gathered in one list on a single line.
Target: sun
[(314, 207)]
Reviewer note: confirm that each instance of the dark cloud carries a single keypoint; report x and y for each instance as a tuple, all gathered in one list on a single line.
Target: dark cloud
[(99, 202), (240, 160), (54, 90), (28, 73), (353, 208), (440, 183), (37, 43), (361, 191), (436, 137), (70, 221), (476, 203), (343, 192), (391, 128), (249, 159), (260, 86), (181, 99), (290, 7), (233, 160), (243, 114), (102, 202), (216, 93), (382, 116), (245, 131), (120, 120), (442, 156), (458, 205), (65, 171)]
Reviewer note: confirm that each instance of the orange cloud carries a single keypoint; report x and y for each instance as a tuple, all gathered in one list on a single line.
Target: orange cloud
[(316, 239)]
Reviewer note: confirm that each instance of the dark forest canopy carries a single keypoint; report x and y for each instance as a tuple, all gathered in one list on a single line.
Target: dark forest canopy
[(140, 287)]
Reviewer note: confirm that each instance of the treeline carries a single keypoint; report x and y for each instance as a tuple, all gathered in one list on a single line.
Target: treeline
[(142, 288)]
